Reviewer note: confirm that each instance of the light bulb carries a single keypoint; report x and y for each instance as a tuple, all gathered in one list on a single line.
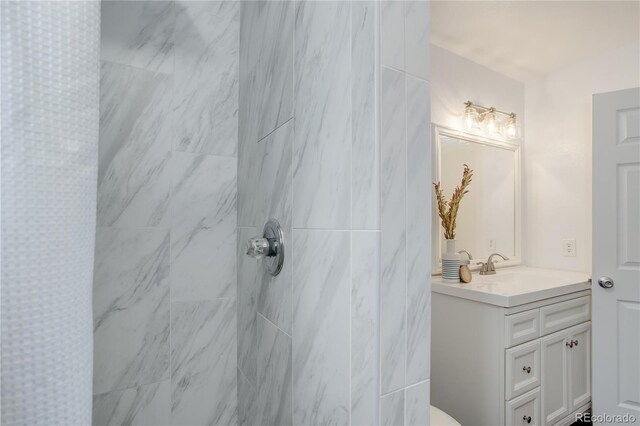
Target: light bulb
[(511, 128), (493, 128), (470, 118)]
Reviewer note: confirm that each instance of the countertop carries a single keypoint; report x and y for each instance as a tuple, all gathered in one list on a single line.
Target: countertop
[(513, 286)]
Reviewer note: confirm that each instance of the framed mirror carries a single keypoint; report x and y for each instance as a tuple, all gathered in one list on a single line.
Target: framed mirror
[(489, 217)]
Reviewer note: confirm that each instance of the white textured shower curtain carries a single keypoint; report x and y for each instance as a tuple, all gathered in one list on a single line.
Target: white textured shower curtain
[(50, 92)]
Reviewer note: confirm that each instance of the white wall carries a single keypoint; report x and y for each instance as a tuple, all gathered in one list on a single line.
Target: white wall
[(557, 155), (456, 80)]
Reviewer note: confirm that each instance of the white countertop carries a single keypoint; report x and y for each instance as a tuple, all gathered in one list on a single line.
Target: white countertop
[(514, 286)]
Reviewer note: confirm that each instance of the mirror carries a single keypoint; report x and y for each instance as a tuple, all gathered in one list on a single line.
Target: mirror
[(488, 219)]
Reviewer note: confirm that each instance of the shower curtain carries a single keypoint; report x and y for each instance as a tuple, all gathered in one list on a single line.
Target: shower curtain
[(49, 111)]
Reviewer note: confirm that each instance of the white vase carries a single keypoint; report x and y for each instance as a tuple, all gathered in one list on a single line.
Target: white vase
[(451, 263)]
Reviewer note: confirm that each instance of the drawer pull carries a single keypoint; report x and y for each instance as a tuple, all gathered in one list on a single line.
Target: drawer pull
[(527, 419), (527, 369)]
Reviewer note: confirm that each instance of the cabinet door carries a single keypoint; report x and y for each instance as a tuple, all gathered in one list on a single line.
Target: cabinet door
[(555, 389), (580, 365)]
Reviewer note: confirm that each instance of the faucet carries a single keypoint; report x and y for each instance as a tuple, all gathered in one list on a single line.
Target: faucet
[(489, 268)]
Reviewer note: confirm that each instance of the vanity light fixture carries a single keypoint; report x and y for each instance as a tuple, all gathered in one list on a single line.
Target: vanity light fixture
[(478, 117)]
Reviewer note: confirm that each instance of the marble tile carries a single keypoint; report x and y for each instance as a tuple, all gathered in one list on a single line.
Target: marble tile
[(418, 404), (392, 34), (418, 230), (365, 367), (203, 362), (274, 376), (247, 307), (321, 349), (249, 165), (417, 46), (138, 33), (246, 402), (134, 148), (205, 102), (203, 227), (131, 303), (266, 67), (322, 108), (205, 399), (274, 201), (393, 224), (392, 409), (365, 181), (143, 405)]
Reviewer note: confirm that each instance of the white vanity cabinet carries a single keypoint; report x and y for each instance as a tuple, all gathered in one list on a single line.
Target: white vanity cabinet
[(495, 362)]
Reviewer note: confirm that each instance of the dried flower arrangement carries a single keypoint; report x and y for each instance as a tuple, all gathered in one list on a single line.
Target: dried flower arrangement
[(448, 210)]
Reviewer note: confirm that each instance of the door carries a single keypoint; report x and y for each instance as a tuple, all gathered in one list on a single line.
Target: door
[(616, 253), (555, 387)]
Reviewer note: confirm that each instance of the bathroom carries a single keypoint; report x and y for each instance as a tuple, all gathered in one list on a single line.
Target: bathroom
[(223, 212)]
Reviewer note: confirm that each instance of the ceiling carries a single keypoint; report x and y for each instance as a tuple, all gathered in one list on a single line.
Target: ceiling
[(527, 39)]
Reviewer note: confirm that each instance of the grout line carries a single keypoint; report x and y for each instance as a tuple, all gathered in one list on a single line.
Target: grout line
[(271, 322), (350, 286), (166, 379), (274, 130), (291, 153)]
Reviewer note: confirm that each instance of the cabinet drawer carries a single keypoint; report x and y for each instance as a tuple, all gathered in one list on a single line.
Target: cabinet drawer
[(564, 314), (521, 327), (522, 369), (524, 410)]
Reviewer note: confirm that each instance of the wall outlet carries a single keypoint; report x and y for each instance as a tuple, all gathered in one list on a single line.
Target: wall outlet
[(491, 245), (569, 248)]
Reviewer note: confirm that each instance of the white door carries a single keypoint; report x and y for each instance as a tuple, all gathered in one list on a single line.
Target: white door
[(616, 253), (555, 386)]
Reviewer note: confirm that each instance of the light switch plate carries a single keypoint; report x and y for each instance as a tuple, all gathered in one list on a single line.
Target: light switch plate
[(569, 248)]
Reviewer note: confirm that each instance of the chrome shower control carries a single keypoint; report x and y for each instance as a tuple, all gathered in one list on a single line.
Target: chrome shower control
[(270, 246)]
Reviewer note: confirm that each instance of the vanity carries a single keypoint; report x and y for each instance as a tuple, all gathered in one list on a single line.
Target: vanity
[(512, 348)]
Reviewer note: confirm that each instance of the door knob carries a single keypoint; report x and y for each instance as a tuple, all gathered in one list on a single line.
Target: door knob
[(605, 282), (270, 247)]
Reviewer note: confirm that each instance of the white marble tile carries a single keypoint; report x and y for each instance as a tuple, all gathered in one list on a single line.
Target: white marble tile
[(205, 102), (203, 362), (134, 148), (247, 307), (392, 33), (321, 274), (417, 46), (205, 399), (392, 409), (138, 33), (131, 304), (274, 201), (393, 224), (365, 367), (246, 402), (266, 67), (418, 230), (274, 376), (322, 107), (203, 227), (418, 404), (365, 183), (143, 405)]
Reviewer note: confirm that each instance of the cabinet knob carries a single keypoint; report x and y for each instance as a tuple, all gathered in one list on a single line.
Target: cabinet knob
[(526, 369), (569, 344), (575, 343), (527, 419)]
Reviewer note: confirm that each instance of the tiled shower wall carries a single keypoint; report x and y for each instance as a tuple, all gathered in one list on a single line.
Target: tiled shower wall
[(165, 272), (405, 150), (338, 150)]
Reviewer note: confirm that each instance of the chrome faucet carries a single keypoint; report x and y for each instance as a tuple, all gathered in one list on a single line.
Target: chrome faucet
[(489, 268)]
